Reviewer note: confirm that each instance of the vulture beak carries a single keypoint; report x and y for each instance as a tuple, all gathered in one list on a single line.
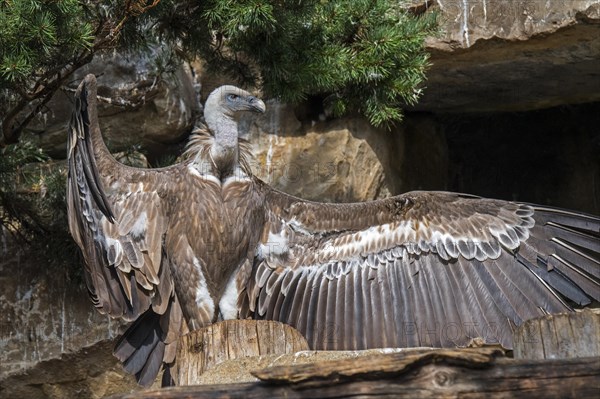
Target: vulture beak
[(256, 104)]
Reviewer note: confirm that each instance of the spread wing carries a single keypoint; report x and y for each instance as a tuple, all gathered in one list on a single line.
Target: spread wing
[(420, 269), (118, 220)]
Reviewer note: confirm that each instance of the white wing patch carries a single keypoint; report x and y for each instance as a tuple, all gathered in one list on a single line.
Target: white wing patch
[(297, 226), (228, 302), (139, 227), (114, 251), (276, 245), (197, 170), (238, 175), (203, 298)]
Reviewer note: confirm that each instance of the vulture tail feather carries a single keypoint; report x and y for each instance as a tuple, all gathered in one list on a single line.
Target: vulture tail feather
[(141, 349)]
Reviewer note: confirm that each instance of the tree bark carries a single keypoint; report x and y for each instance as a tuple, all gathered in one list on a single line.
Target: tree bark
[(559, 336), (202, 349)]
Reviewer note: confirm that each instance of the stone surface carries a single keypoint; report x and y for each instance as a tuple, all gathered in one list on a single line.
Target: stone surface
[(91, 372), (346, 159), (342, 160), (513, 55), (145, 112), (44, 312)]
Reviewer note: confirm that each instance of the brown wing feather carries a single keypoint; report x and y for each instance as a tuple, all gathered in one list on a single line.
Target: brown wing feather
[(420, 269), (117, 217), (119, 230)]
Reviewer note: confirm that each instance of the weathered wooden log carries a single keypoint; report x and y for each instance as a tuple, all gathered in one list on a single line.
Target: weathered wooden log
[(430, 374), (233, 339), (559, 336), (375, 366)]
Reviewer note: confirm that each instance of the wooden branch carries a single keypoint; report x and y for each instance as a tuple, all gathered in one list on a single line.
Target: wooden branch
[(202, 349), (467, 373), (559, 336), (375, 366)]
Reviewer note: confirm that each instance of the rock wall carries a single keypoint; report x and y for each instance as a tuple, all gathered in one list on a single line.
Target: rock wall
[(511, 110), (513, 55), (44, 312), (137, 109), (346, 159), (354, 161)]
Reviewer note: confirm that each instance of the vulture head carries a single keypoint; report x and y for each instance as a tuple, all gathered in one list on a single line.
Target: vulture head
[(229, 102), (222, 111)]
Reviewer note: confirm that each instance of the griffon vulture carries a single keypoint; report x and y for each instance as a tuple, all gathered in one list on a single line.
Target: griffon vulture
[(180, 247)]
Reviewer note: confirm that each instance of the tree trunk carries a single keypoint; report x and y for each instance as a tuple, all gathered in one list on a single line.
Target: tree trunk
[(233, 339), (559, 336)]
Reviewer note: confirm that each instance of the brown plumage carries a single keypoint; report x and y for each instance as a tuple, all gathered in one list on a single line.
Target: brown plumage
[(161, 245), (181, 247)]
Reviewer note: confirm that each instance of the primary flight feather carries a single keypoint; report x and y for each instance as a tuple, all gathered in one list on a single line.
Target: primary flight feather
[(178, 248)]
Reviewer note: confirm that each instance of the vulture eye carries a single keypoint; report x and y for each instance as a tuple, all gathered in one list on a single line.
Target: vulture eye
[(232, 97)]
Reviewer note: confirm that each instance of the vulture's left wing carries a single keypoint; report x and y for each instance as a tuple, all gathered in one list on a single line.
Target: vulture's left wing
[(117, 218), (419, 269)]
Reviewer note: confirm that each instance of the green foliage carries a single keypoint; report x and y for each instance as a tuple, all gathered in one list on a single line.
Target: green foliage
[(36, 35), (362, 55), (17, 210), (365, 55), (42, 42)]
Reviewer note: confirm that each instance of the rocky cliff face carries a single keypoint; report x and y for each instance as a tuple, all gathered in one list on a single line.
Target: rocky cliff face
[(507, 55), (511, 110), (137, 109)]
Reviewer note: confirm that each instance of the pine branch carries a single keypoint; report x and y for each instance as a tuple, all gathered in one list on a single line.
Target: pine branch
[(52, 79)]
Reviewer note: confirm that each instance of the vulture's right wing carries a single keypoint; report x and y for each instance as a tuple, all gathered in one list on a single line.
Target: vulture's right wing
[(419, 269), (118, 220)]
